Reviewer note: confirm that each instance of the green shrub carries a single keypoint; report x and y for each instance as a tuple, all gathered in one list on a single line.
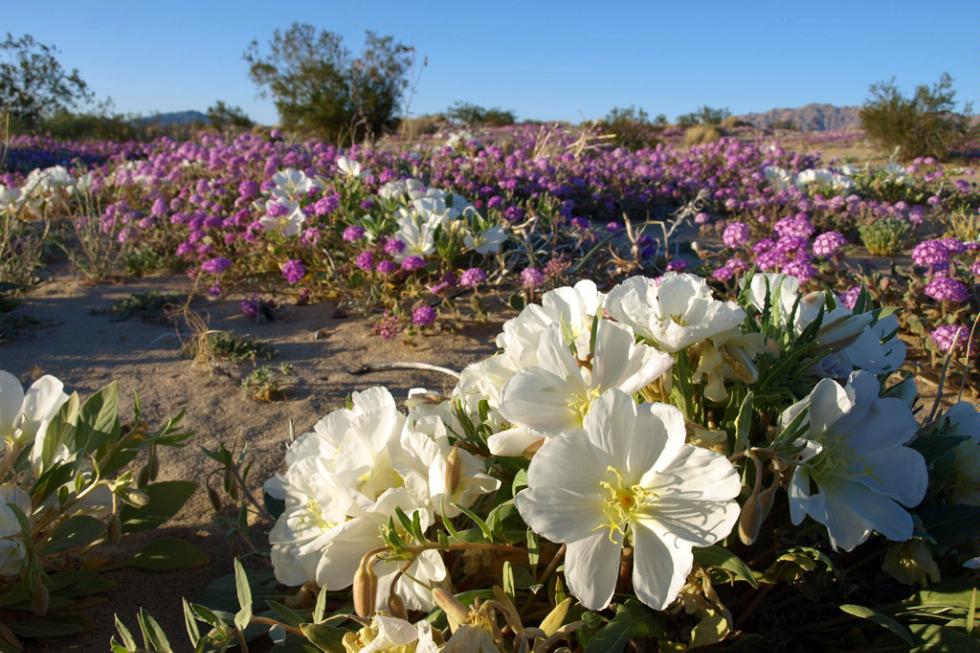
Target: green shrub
[(473, 115), (885, 237), (703, 116), (926, 124), (632, 127), (320, 89), (228, 118)]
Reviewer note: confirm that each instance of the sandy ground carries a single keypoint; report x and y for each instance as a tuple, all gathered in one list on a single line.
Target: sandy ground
[(87, 351)]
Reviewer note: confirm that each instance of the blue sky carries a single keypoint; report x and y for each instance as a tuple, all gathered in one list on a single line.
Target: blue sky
[(545, 60)]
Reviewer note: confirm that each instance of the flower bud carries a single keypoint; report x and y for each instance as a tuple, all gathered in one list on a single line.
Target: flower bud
[(115, 529), (453, 470), (214, 498), (365, 587), (456, 612), (40, 596), (396, 607)]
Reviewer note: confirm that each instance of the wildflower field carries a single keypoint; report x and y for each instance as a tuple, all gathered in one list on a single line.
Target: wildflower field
[(498, 389)]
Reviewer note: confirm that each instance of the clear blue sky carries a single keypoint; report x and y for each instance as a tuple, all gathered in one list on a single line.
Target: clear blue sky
[(545, 60)]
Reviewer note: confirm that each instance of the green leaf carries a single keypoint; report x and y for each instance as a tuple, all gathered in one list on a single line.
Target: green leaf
[(244, 592), (951, 524), (166, 500), (190, 623), (76, 531), (154, 637), (320, 609), (324, 637), (127, 637), (613, 637), (97, 420), (482, 525), (932, 637), (60, 625), (953, 593), (743, 423), (883, 620), (285, 614), (721, 558), (164, 554), (932, 447)]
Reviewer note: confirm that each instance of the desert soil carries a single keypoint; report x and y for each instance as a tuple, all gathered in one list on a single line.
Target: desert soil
[(88, 350)]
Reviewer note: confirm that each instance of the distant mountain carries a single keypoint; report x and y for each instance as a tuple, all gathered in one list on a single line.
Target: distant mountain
[(809, 118), (176, 118)]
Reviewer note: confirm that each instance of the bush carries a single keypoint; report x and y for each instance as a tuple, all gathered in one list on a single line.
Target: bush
[(414, 128), (318, 88), (926, 124), (701, 134), (224, 118), (703, 116), (473, 115), (731, 122), (632, 127)]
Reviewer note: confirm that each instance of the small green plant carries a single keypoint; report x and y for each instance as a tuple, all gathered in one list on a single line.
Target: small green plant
[(210, 345), (962, 223), (148, 259), (22, 245), (268, 383), (704, 116), (885, 237), (473, 115), (153, 307)]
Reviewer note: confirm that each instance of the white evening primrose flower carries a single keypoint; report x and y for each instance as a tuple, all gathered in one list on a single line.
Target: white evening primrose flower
[(674, 311), (628, 478), (293, 184), (316, 506), (349, 167), (858, 461), (418, 234), (963, 420), (451, 476), (391, 635), (289, 224), (487, 242), (556, 395), (572, 307), (12, 550), (24, 417), (344, 547)]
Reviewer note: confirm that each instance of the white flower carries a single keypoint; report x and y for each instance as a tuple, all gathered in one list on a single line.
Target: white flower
[(853, 341), (389, 634), (964, 421), (487, 242), (25, 417), (289, 224), (418, 234), (346, 544), (572, 307), (8, 197), (824, 177), (628, 477), (674, 311), (293, 184), (12, 550), (859, 462), (556, 395), (349, 167)]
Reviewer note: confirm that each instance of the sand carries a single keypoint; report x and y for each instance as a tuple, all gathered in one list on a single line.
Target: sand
[(88, 351)]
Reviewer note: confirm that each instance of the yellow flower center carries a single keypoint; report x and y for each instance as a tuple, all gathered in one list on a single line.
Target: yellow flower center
[(580, 403), (624, 502), (315, 515)]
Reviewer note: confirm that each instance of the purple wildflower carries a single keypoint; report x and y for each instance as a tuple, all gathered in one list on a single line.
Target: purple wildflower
[(293, 271), (424, 316)]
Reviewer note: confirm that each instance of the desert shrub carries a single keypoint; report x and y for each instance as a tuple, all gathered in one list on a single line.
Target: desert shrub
[(703, 116), (71, 126), (319, 88), (473, 115), (34, 85), (413, 128), (701, 134), (632, 128), (884, 237), (224, 117), (731, 122), (925, 124)]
